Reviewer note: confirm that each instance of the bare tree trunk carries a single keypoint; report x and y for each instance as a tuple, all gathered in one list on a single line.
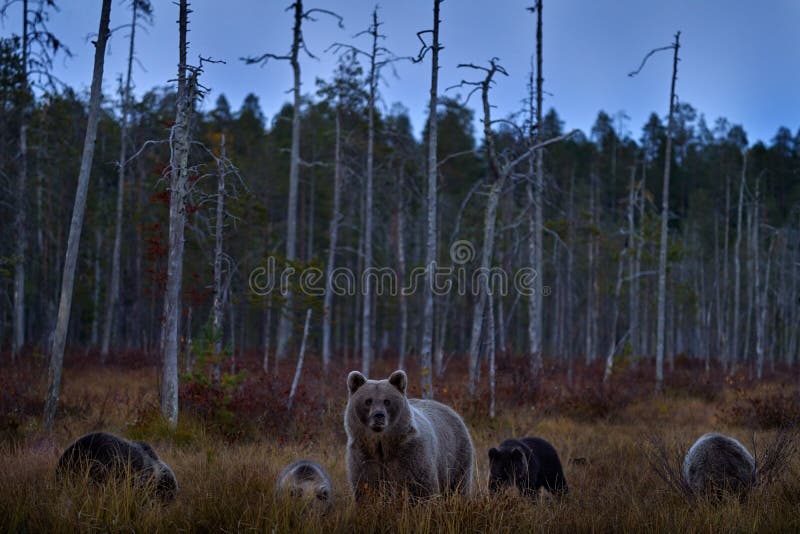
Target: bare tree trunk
[(299, 369), (285, 321), (98, 245), (401, 267), (592, 285), (426, 364), (366, 327), (643, 328), (76, 225), (333, 233), (737, 269), (722, 311), (612, 342), (179, 141), (20, 218), (570, 306), (537, 196), (480, 301), (267, 336), (113, 291), (662, 253), (633, 295), (216, 309), (492, 349)]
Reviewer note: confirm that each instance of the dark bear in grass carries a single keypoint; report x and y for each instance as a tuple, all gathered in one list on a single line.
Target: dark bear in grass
[(527, 464), (104, 457), (718, 464), (400, 444), (307, 481)]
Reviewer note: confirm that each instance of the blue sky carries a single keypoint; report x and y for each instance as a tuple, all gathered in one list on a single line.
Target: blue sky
[(739, 60)]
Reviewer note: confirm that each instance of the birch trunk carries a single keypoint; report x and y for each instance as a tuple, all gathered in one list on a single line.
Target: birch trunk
[(491, 340), (401, 267), (299, 369), (633, 296), (333, 233), (737, 270), (662, 252), (612, 343), (113, 289), (216, 309), (20, 217), (426, 364), (285, 322), (535, 251), (76, 224), (366, 327), (98, 244), (179, 142)]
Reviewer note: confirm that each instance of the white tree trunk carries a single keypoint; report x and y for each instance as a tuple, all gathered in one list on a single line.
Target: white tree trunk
[(299, 369), (76, 224), (113, 288), (401, 268), (98, 244), (662, 252), (367, 319), (492, 350), (426, 353), (333, 233), (179, 142), (20, 217), (612, 342), (737, 270), (216, 309), (285, 322), (536, 257)]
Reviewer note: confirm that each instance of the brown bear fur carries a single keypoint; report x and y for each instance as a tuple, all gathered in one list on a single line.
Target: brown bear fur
[(396, 443)]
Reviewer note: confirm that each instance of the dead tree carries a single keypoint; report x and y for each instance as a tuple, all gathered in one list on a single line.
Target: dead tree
[(113, 286), (737, 270), (498, 175), (662, 253), (299, 369), (298, 44), (536, 197), (426, 352), (76, 225)]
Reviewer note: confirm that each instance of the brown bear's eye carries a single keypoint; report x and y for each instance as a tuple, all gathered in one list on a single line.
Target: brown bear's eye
[(368, 402), (386, 402)]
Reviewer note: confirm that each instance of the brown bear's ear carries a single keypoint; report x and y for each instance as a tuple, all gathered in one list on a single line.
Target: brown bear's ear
[(399, 380), (355, 380), (492, 453)]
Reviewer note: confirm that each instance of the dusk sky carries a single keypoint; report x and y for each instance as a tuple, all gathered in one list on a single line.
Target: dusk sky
[(738, 59)]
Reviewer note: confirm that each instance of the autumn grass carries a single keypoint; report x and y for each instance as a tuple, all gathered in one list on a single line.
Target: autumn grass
[(226, 470)]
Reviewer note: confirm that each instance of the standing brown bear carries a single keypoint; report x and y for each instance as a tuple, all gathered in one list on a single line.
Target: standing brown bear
[(417, 445)]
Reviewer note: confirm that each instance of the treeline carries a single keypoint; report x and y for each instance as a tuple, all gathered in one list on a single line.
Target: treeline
[(734, 239)]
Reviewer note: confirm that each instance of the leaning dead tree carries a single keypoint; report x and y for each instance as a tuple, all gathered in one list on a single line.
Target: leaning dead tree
[(298, 44), (662, 252), (76, 225), (426, 352), (378, 57), (498, 175)]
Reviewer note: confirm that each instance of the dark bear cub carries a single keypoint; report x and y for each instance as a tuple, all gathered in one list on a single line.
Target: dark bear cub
[(528, 464), (104, 457)]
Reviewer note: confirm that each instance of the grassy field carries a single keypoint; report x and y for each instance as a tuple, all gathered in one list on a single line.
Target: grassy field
[(232, 441)]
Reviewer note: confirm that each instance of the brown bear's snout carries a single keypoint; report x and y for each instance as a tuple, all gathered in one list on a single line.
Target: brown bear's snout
[(378, 420)]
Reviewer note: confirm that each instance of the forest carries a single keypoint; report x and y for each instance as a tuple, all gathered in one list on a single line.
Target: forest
[(183, 269)]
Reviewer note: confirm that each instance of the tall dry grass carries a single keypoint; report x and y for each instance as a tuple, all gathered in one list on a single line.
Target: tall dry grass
[(232, 442)]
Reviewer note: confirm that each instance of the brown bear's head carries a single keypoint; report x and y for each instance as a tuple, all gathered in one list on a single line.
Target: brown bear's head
[(377, 404), (508, 467)]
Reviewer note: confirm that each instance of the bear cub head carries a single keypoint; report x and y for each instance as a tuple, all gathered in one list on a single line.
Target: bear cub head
[(508, 467), (377, 404)]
